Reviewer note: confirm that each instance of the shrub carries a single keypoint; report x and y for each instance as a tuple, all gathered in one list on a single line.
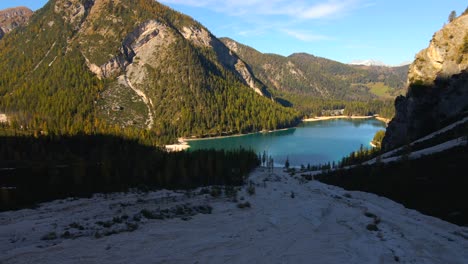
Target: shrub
[(49, 236), (106, 224), (204, 191), (230, 191), (465, 44), (66, 234), (243, 205), (76, 226), (97, 235), (370, 215), (251, 189), (204, 209), (131, 227), (117, 220), (215, 191), (146, 213), (372, 227)]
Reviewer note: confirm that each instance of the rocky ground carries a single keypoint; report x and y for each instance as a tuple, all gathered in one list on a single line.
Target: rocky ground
[(276, 218)]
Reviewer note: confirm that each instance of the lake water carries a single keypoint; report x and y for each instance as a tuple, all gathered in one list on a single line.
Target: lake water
[(309, 143)]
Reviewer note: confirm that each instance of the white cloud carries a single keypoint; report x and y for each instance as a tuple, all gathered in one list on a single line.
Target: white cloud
[(324, 10), (305, 35), (318, 9), (293, 18)]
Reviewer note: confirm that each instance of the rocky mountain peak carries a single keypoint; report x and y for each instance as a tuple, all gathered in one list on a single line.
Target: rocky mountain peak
[(12, 18), (369, 62), (231, 44), (198, 36), (438, 86), (445, 56)]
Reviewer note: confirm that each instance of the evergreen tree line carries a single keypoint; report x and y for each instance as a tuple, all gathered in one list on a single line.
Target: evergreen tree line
[(34, 170), (434, 185), (361, 155), (312, 107)]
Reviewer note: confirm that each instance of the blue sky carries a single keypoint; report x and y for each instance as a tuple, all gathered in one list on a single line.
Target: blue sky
[(389, 31)]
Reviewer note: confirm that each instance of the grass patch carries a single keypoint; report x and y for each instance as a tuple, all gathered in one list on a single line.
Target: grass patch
[(380, 89)]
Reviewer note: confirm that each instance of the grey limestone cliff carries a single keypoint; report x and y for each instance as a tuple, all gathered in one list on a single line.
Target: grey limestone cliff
[(437, 86)]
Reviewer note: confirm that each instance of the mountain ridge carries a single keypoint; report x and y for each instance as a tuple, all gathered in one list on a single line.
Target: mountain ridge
[(368, 62), (12, 18), (437, 86), (155, 69), (142, 66), (304, 79)]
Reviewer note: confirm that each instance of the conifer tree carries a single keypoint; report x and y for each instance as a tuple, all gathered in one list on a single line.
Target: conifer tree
[(286, 164), (452, 16)]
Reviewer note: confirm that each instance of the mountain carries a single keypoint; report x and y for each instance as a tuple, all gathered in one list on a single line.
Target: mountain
[(377, 63), (128, 66), (12, 18), (303, 75), (438, 87), (369, 62)]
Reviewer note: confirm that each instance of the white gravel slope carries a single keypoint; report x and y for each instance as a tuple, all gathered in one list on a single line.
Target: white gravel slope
[(321, 224)]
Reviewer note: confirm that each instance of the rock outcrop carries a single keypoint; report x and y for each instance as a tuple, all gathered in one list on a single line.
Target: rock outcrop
[(437, 86), (12, 18), (131, 46), (445, 56), (229, 59)]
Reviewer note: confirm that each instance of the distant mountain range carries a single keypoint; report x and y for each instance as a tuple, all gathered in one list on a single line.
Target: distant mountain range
[(301, 78), (369, 62)]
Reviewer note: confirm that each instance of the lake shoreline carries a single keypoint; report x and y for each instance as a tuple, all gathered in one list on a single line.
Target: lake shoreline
[(322, 118), (183, 144)]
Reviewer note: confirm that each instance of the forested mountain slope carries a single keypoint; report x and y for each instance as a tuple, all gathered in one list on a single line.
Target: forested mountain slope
[(300, 77), (129, 66)]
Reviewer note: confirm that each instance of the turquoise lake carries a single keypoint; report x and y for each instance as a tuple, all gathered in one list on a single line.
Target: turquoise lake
[(309, 143)]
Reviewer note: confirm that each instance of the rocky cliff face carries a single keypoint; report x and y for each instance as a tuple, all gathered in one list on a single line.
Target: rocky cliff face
[(199, 36), (437, 86), (12, 18), (445, 56)]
